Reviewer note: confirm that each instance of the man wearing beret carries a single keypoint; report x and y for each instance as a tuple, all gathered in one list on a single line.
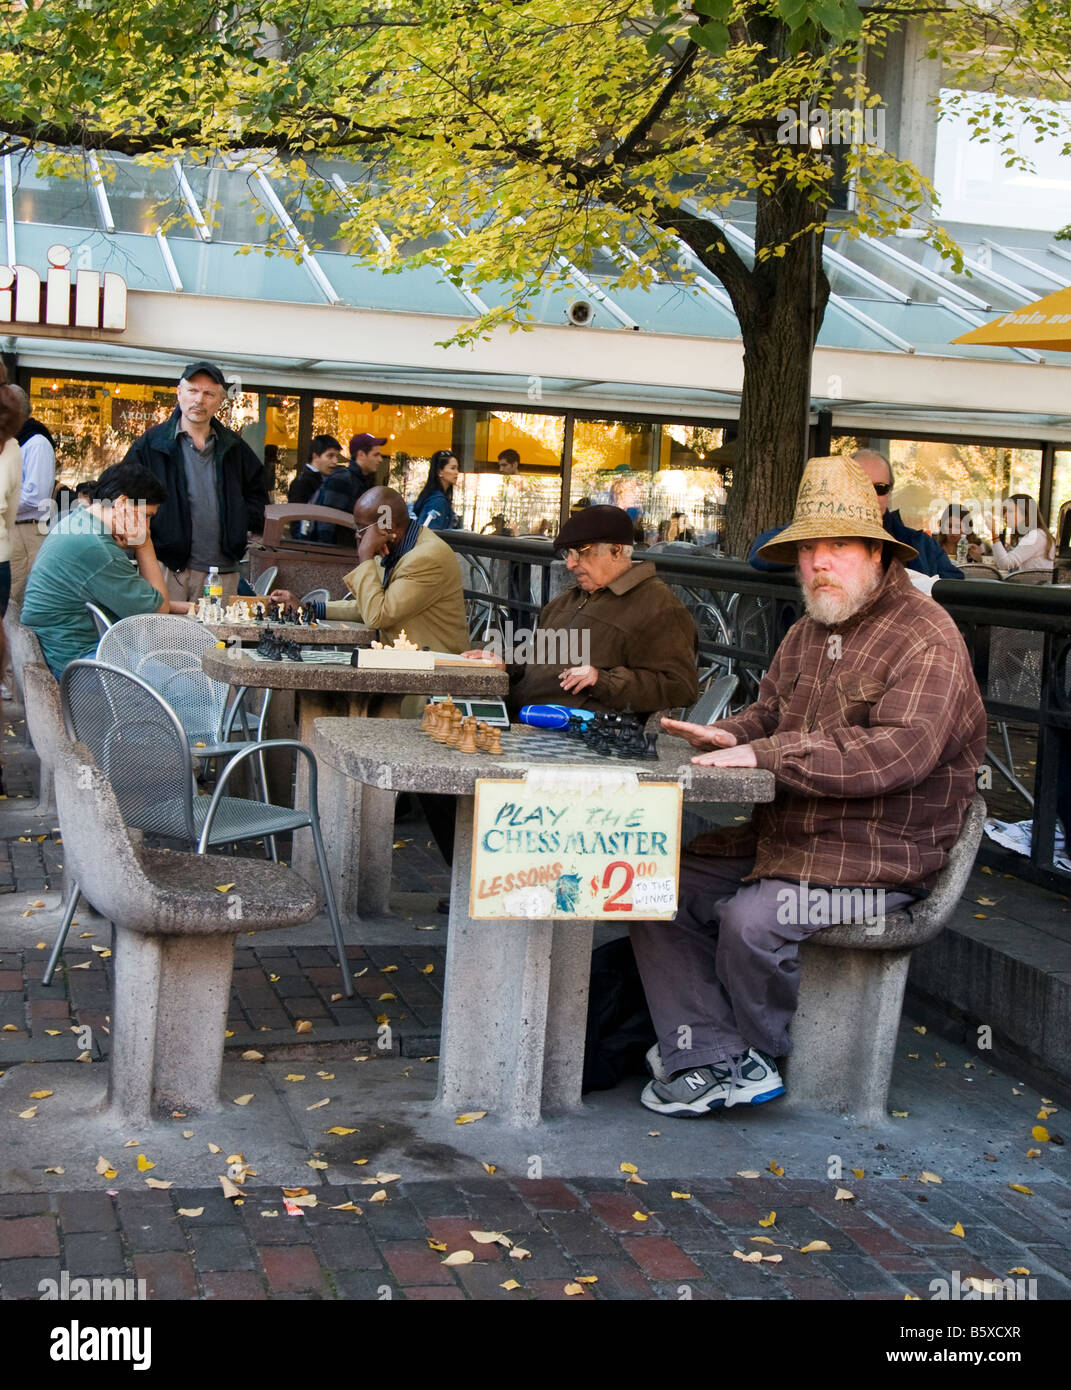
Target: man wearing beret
[(215, 487), (871, 721), (640, 639)]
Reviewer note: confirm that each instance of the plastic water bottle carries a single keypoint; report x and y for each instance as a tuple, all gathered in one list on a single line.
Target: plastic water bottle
[(961, 549), (213, 586)]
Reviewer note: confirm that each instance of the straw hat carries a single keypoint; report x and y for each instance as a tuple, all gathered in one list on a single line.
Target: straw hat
[(836, 498)]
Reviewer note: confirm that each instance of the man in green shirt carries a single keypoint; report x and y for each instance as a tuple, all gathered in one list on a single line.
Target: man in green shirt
[(84, 559)]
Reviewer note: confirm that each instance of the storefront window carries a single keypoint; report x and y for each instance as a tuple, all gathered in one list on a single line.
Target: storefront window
[(1061, 484), (94, 423), (413, 433), (933, 476), (515, 486), (667, 477)]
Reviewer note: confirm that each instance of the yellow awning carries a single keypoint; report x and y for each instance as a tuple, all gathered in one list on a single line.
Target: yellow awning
[(1044, 324)]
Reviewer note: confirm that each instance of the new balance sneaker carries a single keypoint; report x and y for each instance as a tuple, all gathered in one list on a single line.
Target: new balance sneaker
[(747, 1080), (654, 1063)]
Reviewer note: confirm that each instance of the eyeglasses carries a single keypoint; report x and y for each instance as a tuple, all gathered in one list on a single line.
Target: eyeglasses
[(883, 489), (576, 552)]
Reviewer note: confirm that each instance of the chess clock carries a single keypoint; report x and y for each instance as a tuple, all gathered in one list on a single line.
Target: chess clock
[(492, 712)]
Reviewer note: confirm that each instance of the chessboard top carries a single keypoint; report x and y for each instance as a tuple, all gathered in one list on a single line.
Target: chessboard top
[(325, 634), (236, 667), (370, 749)]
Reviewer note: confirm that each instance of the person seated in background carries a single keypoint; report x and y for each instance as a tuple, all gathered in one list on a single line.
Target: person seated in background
[(641, 640), (84, 560), (342, 488), (1033, 547), (929, 559), (434, 506), (874, 755), (83, 492), (406, 577), (497, 526)]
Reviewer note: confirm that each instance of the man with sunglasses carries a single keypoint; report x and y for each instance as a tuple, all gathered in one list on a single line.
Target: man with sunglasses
[(931, 559)]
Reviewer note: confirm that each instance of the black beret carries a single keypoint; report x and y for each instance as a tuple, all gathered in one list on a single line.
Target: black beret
[(610, 524)]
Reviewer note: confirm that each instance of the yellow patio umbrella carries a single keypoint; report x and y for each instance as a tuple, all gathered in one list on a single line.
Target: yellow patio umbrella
[(1045, 324)]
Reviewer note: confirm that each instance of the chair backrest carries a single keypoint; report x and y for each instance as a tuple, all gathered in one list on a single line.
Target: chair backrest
[(316, 596), (22, 644), (165, 650), (979, 571), (265, 580), (1028, 577), (44, 715), (97, 846), (101, 621), (713, 703), (137, 742)]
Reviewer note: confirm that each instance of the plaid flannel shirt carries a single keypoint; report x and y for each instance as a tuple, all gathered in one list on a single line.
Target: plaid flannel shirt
[(874, 730)]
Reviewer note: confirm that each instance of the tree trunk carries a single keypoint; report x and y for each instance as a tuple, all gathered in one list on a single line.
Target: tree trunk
[(779, 321)]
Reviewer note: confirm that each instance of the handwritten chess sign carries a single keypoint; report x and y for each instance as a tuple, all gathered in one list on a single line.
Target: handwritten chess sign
[(540, 854)]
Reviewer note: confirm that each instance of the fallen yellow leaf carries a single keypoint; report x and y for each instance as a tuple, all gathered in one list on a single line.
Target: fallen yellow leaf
[(587, 1278), (383, 997), (635, 1177), (628, 1168), (1018, 1187), (317, 1163), (751, 1258), (303, 1026), (379, 1196), (224, 887), (103, 1164), (144, 1164), (843, 1195), (352, 1206), (491, 1238), (428, 970), (436, 1244), (132, 1144), (187, 1134), (775, 1168), (229, 1189), (768, 1221), (639, 1216), (319, 1104), (338, 1129), (682, 1196), (55, 1170), (157, 1182), (520, 1253), (252, 1055), (1033, 1153), (859, 1172), (214, 1149), (1019, 1270), (459, 1257), (388, 970), (899, 1114), (52, 1032), (573, 1289), (28, 1114), (761, 1240), (508, 1284), (812, 1246), (920, 1028), (772, 1259), (1040, 1133), (294, 1076), (191, 1211), (957, 1230), (749, 1173), (41, 1095), (926, 1176), (244, 1100), (489, 1167), (470, 1117)]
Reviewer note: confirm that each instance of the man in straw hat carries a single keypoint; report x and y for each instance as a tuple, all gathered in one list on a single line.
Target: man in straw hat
[(871, 722)]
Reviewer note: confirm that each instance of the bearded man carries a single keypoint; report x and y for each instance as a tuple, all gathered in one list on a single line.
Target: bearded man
[(871, 721)]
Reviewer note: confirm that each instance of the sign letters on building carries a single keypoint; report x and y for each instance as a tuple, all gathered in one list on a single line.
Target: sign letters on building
[(85, 299)]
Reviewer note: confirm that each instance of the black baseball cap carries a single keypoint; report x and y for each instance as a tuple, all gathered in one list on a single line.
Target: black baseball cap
[(209, 369)]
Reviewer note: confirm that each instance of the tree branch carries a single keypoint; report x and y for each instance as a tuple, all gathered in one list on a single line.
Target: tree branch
[(645, 125)]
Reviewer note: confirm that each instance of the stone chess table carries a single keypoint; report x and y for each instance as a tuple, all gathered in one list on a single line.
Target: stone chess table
[(357, 821), (515, 992)]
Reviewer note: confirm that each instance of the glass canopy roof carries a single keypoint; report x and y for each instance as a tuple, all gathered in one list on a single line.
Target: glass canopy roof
[(230, 232)]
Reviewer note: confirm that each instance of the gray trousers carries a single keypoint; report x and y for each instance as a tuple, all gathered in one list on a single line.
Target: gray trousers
[(723, 976)]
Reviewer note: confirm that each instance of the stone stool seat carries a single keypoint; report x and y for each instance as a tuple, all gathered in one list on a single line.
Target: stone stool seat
[(176, 916), (25, 650), (852, 981)]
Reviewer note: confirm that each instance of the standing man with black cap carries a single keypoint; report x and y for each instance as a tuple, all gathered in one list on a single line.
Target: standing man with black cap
[(342, 489), (216, 493)]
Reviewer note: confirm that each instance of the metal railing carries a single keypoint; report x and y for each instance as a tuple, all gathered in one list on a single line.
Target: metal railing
[(1019, 639)]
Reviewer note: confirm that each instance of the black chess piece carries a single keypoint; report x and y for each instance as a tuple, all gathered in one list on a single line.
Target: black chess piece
[(290, 651), (650, 746), (269, 645), (258, 612), (353, 657)]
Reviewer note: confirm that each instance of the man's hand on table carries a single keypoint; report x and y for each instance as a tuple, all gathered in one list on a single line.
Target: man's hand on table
[(283, 596), (727, 752), (577, 678), (478, 654)]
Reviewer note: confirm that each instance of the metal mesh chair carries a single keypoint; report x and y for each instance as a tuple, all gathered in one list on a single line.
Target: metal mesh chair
[(315, 596), (1014, 677), (141, 747), (265, 581), (101, 621), (1028, 577)]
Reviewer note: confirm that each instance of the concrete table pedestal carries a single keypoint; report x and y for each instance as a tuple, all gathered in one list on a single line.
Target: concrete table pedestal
[(515, 993)]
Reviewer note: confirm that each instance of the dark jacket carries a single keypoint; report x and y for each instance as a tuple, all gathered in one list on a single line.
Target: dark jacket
[(340, 490), (239, 486), (435, 511), (642, 642), (931, 559), (305, 485)]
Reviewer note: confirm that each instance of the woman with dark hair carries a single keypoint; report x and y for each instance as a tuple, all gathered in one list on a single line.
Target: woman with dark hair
[(11, 417), (1030, 545), (434, 507)]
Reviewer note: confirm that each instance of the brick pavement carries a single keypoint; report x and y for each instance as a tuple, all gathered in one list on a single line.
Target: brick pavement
[(892, 1241)]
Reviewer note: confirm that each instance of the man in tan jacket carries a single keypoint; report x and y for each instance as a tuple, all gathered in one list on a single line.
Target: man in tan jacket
[(406, 577)]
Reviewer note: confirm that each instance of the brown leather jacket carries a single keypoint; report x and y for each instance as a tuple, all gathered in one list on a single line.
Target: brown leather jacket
[(641, 639)]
